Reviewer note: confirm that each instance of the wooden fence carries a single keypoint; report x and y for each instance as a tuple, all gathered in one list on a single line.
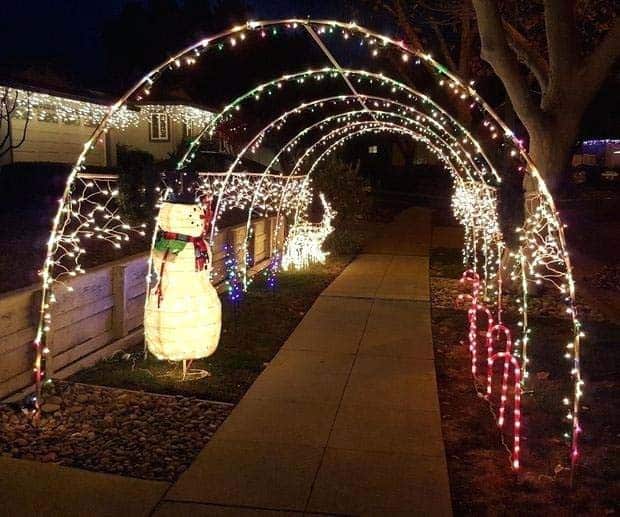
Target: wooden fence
[(103, 313)]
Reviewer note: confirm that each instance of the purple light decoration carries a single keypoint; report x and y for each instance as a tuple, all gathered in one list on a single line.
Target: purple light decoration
[(233, 275), (272, 271)]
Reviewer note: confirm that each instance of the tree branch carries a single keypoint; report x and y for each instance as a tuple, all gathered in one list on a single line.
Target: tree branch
[(497, 53), (443, 46), (561, 45), (26, 122), (6, 111), (528, 55), (466, 45), (403, 21), (596, 66)]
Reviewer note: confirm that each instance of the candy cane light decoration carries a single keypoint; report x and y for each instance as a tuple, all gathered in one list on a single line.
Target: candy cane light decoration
[(543, 254)]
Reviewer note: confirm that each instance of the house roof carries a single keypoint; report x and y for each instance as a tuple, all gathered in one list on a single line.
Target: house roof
[(177, 97), (94, 97)]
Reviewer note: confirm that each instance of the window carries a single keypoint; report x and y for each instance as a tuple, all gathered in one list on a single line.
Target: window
[(159, 131), (373, 149)]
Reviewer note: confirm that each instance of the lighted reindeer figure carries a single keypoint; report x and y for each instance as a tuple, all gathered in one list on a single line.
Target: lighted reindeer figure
[(304, 244)]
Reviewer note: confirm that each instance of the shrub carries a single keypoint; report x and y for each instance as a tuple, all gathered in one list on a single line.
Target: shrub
[(348, 193), (137, 184)]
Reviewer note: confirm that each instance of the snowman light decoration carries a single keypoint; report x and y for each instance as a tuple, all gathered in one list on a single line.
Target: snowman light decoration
[(183, 313)]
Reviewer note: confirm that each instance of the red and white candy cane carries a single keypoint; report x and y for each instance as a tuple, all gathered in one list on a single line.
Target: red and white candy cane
[(471, 277), (516, 449)]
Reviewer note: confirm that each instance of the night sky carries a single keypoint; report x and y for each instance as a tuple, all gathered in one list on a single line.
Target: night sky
[(69, 31), (66, 34), (36, 29)]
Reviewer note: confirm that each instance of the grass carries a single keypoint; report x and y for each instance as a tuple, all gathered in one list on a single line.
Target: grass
[(480, 476), (251, 336), (446, 263)]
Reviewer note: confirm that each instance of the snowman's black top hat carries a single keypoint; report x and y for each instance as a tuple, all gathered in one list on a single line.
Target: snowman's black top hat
[(183, 185)]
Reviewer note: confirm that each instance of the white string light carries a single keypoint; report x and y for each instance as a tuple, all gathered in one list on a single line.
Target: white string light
[(542, 254), (304, 244)]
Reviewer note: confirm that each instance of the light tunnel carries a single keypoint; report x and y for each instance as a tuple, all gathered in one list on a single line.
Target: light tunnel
[(349, 120), (86, 207)]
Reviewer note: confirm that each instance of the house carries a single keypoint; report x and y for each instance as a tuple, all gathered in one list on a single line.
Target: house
[(603, 153), (39, 125), (595, 159)]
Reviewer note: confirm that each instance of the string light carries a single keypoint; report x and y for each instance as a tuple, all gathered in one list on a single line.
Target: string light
[(542, 253), (234, 280), (46, 107)]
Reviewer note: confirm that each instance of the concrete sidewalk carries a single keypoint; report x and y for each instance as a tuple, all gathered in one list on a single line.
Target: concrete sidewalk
[(345, 419), (31, 488)]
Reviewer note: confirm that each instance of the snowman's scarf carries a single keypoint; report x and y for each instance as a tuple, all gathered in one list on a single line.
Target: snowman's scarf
[(170, 242)]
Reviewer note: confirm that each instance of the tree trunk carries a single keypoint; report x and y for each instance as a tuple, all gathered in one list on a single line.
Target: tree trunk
[(550, 149)]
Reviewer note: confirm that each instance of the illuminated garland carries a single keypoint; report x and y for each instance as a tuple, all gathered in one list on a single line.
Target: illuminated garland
[(55, 108), (260, 192), (542, 255), (544, 259), (188, 115), (474, 206)]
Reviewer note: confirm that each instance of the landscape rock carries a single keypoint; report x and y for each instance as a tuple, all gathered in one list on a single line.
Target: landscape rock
[(139, 435), (50, 407)]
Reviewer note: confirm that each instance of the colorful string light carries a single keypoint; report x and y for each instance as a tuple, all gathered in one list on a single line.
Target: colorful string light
[(542, 253)]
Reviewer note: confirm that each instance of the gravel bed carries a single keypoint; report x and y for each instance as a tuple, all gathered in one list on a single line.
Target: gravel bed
[(116, 431)]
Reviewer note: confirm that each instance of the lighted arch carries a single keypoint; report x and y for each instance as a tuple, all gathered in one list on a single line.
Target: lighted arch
[(543, 252), (257, 139), (386, 103), (344, 118), (381, 79), (376, 128), (361, 127), (280, 121)]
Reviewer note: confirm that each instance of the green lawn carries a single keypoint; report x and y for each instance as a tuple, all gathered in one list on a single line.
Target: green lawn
[(251, 336)]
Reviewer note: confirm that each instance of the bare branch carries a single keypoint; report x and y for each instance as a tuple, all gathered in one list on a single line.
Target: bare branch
[(466, 45), (7, 108), (561, 45), (405, 25), (497, 53), (443, 47), (595, 68), (528, 55), (455, 11), (26, 122), (388, 8)]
